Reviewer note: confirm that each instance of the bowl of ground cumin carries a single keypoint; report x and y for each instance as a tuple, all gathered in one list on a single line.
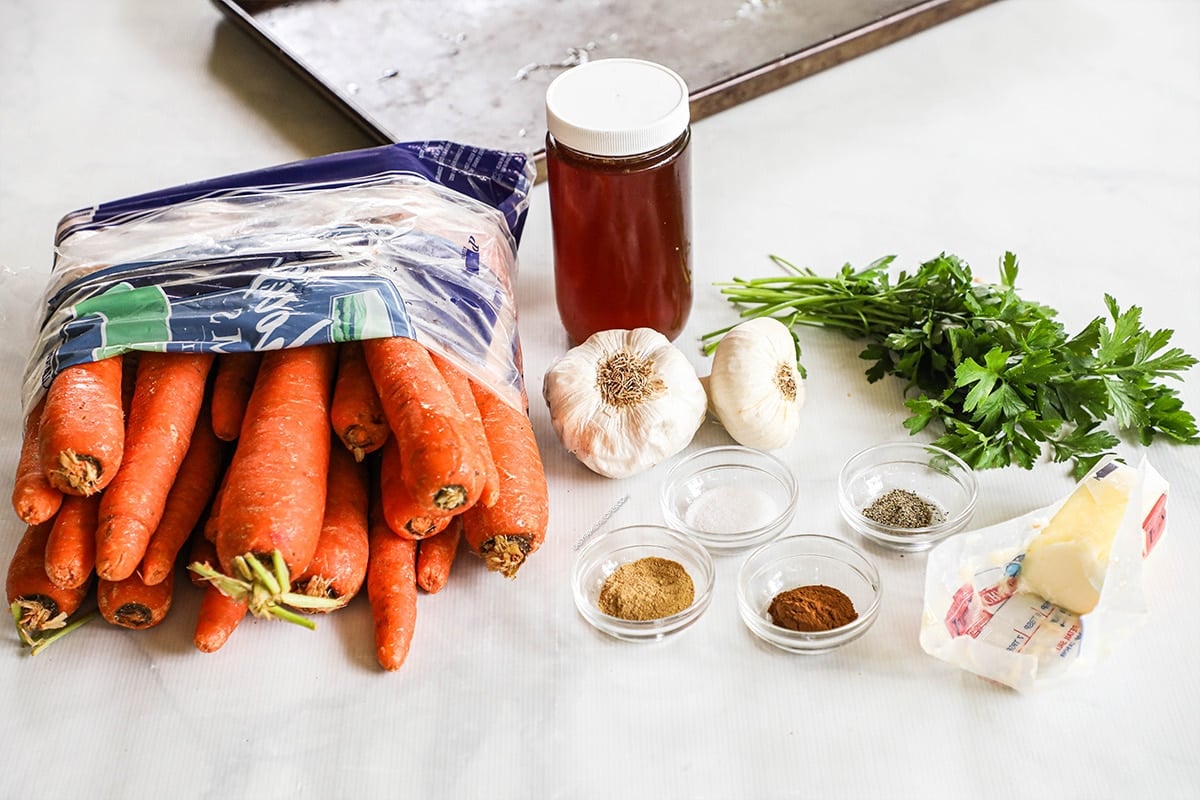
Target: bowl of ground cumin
[(907, 496), (642, 583), (808, 593)]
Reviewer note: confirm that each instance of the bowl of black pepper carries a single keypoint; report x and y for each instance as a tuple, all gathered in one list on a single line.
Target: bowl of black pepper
[(907, 496), (808, 593), (642, 583)]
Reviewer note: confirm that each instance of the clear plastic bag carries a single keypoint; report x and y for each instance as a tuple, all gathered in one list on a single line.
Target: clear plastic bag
[(414, 239)]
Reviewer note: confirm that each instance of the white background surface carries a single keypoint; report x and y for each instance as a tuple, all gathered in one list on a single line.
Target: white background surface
[(1065, 130)]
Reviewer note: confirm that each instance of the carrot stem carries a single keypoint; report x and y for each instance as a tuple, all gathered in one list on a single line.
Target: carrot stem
[(50, 631), (264, 588)]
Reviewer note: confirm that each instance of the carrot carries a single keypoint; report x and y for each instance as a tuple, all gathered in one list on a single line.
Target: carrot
[(166, 403), (33, 498), (82, 435), (515, 526), (435, 556), (38, 603), (71, 546), (275, 497), (202, 551), (187, 499), (129, 366), (403, 514), (440, 464), (356, 413), (233, 380), (132, 603), (217, 619), (212, 521), (339, 565), (392, 590), (460, 386), (219, 614)]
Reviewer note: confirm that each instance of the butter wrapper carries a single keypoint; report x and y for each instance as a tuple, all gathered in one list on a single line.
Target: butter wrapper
[(982, 615)]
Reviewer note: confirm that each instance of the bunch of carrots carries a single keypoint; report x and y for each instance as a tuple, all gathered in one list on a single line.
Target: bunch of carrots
[(286, 481)]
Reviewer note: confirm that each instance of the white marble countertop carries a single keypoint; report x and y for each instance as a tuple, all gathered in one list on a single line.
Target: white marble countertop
[(1067, 131)]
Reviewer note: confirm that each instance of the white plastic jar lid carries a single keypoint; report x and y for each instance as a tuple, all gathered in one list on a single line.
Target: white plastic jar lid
[(617, 107)]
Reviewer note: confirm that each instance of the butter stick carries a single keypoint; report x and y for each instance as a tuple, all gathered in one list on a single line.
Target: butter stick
[(1066, 563)]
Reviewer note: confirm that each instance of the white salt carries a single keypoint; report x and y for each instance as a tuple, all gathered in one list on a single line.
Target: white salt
[(731, 509)]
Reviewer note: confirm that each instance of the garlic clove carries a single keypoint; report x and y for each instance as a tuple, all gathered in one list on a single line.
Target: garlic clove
[(755, 388)]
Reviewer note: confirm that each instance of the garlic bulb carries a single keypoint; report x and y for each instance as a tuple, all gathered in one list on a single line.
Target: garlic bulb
[(624, 400), (755, 389)]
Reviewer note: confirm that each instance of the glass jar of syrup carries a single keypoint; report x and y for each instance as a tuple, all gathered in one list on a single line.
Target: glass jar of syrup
[(619, 176)]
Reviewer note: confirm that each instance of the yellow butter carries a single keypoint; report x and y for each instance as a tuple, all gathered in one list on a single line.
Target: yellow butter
[(1066, 563)]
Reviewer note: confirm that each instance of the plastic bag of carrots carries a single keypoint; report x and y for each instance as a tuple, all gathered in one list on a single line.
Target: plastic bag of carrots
[(301, 381)]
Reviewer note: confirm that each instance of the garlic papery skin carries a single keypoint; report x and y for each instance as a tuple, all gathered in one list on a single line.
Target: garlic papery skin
[(624, 401), (755, 389)]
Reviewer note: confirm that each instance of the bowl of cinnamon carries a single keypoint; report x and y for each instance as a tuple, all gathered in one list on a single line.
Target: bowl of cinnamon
[(808, 593)]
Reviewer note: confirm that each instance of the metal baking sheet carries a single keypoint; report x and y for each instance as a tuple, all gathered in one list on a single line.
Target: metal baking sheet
[(476, 71)]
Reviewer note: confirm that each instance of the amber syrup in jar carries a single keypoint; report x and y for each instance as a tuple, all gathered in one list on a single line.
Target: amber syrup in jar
[(619, 174)]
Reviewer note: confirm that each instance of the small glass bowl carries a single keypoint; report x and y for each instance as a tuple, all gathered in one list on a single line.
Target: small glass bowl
[(937, 476), (804, 560), (729, 497), (601, 556)]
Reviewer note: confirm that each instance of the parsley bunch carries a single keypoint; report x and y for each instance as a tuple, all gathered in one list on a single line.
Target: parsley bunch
[(999, 374)]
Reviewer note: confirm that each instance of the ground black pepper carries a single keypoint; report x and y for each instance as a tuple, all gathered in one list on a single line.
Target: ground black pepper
[(901, 508)]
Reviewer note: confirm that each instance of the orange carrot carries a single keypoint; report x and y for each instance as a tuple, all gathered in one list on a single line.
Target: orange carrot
[(33, 498), (404, 515), (201, 550), (129, 366), (187, 499), (440, 464), (460, 387), (82, 435), (515, 526), (166, 403), (435, 556), (219, 614), (275, 497), (43, 606), (392, 590), (217, 619), (339, 565), (71, 547), (356, 413), (233, 380), (131, 603), (212, 520)]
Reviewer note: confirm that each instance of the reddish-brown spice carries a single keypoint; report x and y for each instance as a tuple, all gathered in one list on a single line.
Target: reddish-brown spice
[(812, 608)]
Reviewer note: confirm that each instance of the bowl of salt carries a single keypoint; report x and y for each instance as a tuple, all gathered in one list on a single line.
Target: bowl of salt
[(729, 498)]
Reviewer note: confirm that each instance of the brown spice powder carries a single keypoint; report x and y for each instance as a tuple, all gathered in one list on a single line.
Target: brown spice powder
[(649, 588), (812, 608)]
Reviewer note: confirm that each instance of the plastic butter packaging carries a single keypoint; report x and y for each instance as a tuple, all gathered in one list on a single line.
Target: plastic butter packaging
[(1041, 598)]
